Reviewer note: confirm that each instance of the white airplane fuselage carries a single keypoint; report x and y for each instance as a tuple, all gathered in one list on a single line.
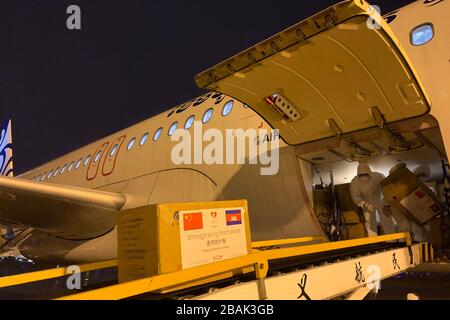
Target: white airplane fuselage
[(280, 205)]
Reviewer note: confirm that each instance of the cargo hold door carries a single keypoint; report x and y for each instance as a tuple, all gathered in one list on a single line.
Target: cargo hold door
[(328, 75)]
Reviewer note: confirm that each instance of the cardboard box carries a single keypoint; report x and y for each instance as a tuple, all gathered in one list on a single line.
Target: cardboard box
[(345, 199), (408, 193), (166, 238), (356, 231), (351, 217)]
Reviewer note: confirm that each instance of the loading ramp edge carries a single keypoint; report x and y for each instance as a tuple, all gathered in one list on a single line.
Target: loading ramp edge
[(391, 261), (42, 275)]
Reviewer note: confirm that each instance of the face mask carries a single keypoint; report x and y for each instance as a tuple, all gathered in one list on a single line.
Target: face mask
[(364, 179)]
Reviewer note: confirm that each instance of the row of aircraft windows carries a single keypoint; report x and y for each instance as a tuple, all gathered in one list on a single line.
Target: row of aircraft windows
[(66, 168), (227, 109), (420, 35)]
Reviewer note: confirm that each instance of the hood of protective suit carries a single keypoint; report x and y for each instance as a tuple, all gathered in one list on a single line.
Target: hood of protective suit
[(364, 169), (423, 170)]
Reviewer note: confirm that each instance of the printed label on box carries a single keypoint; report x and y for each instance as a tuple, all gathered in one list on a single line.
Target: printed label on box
[(212, 235), (421, 205)]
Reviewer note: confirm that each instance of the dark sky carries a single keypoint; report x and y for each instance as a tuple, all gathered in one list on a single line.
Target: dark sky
[(131, 60)]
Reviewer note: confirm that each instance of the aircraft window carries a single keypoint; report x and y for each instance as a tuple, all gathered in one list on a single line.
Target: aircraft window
[(70, 166), (228, 108), (173, 128), (86, 161), (63, 168), (78, 163), (98, 156), (113, 150), (157, 134), (422, 34), (43, 176), (144, 139), (207, 116), (131, 143), (50, 174), (189, 122), (38, 178), (56, 172)]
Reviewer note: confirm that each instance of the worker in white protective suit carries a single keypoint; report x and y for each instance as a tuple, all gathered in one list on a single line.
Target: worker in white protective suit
[(367, 194), (423, 173), (431, 232)]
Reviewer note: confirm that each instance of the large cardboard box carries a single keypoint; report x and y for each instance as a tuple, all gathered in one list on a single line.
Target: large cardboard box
[(408, 193), (166, 238), (345, 200), (352, 217), (356, 231)]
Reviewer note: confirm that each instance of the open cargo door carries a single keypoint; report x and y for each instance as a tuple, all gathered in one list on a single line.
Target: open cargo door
[(328, 75)]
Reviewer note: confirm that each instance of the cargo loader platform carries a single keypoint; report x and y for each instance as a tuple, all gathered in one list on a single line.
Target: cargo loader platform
[(204, 251), (287, 270)]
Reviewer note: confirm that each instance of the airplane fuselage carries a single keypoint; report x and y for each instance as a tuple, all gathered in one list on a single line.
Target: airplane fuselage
[(137, 161)]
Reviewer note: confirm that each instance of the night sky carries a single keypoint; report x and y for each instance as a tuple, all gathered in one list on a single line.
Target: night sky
[(130, 60)]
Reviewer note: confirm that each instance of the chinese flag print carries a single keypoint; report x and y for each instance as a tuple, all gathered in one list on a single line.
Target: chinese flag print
[(193, 221), (420, 194)]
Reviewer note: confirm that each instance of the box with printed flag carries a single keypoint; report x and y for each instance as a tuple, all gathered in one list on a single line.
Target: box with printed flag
[(404, 190), (165, 238)]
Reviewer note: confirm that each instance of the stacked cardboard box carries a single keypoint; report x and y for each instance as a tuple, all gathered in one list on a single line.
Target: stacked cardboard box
[(408, 193), (352, 214), (166, 238)]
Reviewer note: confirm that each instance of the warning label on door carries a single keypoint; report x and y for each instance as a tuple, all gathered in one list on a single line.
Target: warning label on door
[(211, 235)]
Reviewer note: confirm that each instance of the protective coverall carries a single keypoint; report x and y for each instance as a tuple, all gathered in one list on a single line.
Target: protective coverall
[(367, 194)]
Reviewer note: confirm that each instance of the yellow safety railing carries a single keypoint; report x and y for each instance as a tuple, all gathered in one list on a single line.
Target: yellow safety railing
[(51, 274), (275, 243), (259, 260)]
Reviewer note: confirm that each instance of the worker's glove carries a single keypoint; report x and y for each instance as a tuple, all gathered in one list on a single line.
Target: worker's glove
[(387, 211), (367, 206)]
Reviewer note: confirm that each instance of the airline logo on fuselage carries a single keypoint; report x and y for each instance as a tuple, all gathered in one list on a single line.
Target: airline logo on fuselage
[(230, 147)]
